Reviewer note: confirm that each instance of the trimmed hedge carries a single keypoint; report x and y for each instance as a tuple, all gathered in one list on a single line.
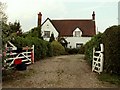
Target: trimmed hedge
[(80, 50), (111, 40), (71, 50), (58, 49), (94, 42), (42, 48)]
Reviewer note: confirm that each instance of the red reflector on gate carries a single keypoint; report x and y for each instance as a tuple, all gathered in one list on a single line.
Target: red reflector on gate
[(18, 61)]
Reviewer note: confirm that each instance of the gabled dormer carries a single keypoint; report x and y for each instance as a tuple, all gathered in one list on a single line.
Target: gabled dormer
[(47, 29), (77, 32)]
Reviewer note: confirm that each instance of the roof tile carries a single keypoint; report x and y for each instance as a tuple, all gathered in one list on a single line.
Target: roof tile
[(66, 27)]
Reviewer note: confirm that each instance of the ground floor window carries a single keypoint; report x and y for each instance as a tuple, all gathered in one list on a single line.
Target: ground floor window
[(78, 45)]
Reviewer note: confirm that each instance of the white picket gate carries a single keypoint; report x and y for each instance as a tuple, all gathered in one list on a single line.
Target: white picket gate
[(97, 64), (13, 57)]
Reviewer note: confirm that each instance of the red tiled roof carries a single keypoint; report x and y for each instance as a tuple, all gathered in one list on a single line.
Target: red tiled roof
[(66, 27)]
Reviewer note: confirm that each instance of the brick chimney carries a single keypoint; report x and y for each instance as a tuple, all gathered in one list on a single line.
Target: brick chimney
[(39, 19), (93, 16)]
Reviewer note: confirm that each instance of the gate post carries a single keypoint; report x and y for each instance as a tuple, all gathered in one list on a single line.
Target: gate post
[(102, 57), (32, 54), (93, 59)]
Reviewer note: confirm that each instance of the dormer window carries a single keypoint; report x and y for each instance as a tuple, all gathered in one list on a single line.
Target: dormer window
[(77, 32)]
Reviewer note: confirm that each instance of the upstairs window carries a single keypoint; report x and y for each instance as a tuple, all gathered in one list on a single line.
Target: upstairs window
[(77, 33), (46, 34)]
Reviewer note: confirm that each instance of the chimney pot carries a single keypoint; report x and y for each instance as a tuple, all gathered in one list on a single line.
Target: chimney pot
[(93, 15)]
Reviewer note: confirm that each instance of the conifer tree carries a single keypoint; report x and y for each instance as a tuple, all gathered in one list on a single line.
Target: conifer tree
[(52, 38)]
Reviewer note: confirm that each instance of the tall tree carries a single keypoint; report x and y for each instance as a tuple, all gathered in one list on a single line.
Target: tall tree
[(15, 28), (9, 29), (35, 32), (3, 16)]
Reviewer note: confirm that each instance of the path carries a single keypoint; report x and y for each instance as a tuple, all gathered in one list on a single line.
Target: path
[(60, 72)]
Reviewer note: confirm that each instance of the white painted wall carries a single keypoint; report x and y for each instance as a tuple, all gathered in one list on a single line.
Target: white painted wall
[(74, 40), (47, 26)]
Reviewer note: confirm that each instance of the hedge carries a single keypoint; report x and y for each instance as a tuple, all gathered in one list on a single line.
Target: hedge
[(42, 48), (80, 50), (111, 40), (94, 42)]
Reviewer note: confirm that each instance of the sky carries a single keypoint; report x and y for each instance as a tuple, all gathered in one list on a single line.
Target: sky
[(26, 11)]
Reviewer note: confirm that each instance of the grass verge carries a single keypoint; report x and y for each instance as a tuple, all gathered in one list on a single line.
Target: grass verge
[(111, 78)]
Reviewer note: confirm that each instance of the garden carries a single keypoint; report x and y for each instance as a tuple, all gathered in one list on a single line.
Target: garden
[(110, 38)]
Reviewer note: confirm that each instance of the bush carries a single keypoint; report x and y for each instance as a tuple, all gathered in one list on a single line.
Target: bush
[(35, 32), (58, 49), (82, 50), (71, 50), (94, 42), (111, 40), (42, 48), (50, 50)]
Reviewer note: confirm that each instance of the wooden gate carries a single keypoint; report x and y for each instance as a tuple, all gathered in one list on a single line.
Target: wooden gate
[(97, 64), (13, 57)]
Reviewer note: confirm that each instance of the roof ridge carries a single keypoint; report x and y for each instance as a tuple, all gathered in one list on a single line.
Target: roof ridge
[(71, 20)]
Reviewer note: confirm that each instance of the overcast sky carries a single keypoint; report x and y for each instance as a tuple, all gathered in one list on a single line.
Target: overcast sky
[(26, 11)]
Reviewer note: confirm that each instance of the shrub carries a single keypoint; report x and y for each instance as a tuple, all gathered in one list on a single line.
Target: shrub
[(82, 50), (94, 42), (111, 40), (58, 49), (50, 50), (72, 50), (35, 32), (42, 48), (52, 38)]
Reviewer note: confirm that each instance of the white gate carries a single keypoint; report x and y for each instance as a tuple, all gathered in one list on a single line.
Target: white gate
[(12, 57), (97, 64)]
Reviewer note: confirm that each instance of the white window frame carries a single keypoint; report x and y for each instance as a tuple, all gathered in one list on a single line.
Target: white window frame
[(78, 45), (46, 34), (77, 32)]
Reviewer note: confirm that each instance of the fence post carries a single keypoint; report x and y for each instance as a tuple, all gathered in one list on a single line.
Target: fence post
[(102, 48)]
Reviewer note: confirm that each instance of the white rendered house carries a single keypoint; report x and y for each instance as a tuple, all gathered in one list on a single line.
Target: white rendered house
[(75, 31)]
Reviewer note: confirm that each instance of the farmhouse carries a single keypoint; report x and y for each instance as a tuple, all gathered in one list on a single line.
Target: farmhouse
[(75, 32)]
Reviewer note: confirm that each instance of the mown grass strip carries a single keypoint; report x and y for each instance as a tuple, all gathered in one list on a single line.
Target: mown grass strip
[(111, 78)]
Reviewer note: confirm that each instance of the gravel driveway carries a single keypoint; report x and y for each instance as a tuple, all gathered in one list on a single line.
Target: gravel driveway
[(59, 72)]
